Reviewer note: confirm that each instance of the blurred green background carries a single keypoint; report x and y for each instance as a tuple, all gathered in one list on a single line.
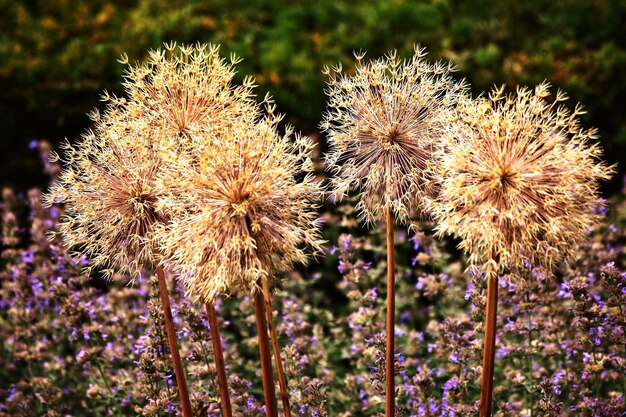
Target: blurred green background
[(56, 57)]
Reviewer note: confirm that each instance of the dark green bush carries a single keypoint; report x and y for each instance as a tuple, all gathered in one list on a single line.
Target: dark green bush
[(57, 57)]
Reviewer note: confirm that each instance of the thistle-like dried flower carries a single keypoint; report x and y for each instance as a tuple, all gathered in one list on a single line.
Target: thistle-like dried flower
[(241, 213), (186, 90), (108, 184), (108, 189), (383, 123), (518, 180)]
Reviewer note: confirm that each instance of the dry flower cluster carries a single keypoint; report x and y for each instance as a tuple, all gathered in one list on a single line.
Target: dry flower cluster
[(108, 184), (186, 90), (190, 155), (517, 178), (188, 146), (383, 123), (108, 190), (241, 215)]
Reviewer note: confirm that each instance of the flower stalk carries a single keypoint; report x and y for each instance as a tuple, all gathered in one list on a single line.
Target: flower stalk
[(282, 381), (220, 365), (390, 402), (173, 344), (267, 375), (486, 386)]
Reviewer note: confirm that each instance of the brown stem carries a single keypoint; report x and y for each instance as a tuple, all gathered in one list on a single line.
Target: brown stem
[(220, 365), (282, 381), (390, 391), (172, 340), (269, 392), (486, 386)]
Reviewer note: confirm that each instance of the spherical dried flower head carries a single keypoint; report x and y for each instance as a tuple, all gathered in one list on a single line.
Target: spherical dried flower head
[(518, 180), (383, 124), (186, 90), (108, 188), (241, 215)]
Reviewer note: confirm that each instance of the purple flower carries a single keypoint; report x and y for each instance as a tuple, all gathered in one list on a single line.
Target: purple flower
[(527, 264), (420, 284), (416, 242), (28, 256), (451, 384), (502, 352), (347, 242), (249, 404)]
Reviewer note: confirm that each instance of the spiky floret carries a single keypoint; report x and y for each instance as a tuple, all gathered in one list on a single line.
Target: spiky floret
[(108, 183), (241, 213), (383, 123), (517, 180)]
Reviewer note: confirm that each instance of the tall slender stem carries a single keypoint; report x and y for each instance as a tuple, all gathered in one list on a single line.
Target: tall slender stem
[(172, 340), (271, 408), (282, 381), (220, 365), (390, 391), (486, 386)]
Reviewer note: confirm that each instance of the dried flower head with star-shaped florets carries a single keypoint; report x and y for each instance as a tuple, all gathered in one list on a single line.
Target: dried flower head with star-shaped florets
[(108, 182), (383, 123), (186, 90), (245, 205), (107, 187), (518, 180)]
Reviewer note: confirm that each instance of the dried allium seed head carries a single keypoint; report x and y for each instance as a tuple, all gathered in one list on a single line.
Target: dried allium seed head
[(383, 124), (108, 189), (517, 180), (186, 90), (241, 214)]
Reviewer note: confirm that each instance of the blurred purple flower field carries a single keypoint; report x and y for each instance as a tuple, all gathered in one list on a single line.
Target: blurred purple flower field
[(77, 345)]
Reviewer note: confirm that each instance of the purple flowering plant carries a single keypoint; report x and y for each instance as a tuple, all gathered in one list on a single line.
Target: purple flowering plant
[(78, 345)]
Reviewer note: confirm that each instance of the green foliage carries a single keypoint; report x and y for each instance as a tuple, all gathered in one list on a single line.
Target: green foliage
[(57, 57)]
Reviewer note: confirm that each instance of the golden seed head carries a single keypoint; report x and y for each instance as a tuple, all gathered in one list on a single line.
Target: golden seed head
[(517, 180), (186, 90), (107, 186), (383, 123), (241, 214)]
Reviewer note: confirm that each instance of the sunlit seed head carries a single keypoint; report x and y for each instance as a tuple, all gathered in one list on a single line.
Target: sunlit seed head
[(186, 89), (107, 186), (242, 215), (383, 124), (517, 180)]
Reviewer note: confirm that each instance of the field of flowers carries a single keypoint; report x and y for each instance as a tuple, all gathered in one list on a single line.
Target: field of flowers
[(81, 346), (190, 173)]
